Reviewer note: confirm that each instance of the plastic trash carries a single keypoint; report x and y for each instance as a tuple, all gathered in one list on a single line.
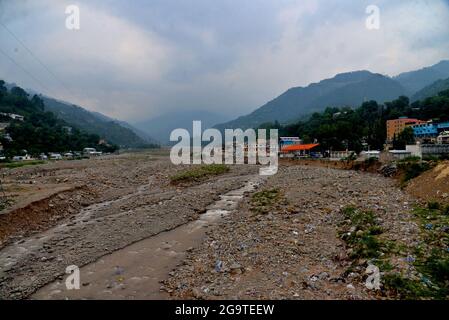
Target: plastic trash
[(219, 266)]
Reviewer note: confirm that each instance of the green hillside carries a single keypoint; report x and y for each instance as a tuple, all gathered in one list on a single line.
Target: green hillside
[(347, 89), (40, 131), (432, 90), (96, 124), (347, 128)]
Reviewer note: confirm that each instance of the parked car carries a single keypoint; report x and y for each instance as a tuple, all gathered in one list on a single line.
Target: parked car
[(55, 156)]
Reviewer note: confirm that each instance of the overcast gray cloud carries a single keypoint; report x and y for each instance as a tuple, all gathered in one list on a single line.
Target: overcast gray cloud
[(138, 59)]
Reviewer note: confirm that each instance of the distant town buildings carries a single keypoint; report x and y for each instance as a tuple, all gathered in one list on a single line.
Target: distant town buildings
[(341, 154), (443, 138), (13, 116), (429, 130), (289, 141), (67, 129), (396, 126)]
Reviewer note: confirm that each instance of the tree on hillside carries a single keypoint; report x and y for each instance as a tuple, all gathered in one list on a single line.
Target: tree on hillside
[(404, 138)]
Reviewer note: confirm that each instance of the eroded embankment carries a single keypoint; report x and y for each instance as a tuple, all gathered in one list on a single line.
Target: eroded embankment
[(41, 214)]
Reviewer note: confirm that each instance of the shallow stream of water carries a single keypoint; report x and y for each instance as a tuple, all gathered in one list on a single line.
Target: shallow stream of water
[(135, 272)]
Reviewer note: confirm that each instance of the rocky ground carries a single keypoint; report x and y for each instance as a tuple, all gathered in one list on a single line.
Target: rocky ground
[(291, 248), (117, 201), (305, 233)]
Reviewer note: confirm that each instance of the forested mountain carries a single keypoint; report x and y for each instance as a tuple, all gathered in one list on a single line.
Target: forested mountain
[(160, 127), (346, 89), (97, 123), (414, 81), (431, 90), (40, 130), (342, 128)]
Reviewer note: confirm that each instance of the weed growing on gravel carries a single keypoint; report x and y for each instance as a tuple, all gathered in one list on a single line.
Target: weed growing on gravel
[(5, 204), (360, 230), (433, 205), (431, 258), (404, 288), (13, 165), (264, 201), (199, 172)]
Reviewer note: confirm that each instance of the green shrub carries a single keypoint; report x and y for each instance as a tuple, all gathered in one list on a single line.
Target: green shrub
[(433, 205), (264, 201), (199, 172), (13, 165), (413, 169)]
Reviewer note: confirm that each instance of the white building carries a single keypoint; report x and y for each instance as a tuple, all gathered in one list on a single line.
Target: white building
[(370, 154)]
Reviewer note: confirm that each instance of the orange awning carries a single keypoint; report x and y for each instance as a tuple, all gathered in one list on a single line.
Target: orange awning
[(300, 147)]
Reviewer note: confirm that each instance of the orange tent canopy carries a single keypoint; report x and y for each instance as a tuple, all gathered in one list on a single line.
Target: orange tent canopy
[(300, 147)]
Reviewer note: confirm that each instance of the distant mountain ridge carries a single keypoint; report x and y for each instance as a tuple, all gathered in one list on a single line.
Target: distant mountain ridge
[(346, 89), (349, 89), (160, 127), (431, 90), (414, 81), (115, 131)]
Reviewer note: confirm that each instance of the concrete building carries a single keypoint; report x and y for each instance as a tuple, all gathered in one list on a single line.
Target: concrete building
[(400, 154), (373, 154), (443, 138), (434, 149), (338, 155), (421, 150), (289, 141), (13, 116), (429, 129), (396, 126), (425, 130)]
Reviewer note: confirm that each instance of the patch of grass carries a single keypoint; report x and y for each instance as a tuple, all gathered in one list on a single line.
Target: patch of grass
[(445, 210), (358, 218), (410, 159), (432, 257), (264, 201), (13, 165), (5, 203), (404, 288), (433, 205), (199, 172), (360, 230)]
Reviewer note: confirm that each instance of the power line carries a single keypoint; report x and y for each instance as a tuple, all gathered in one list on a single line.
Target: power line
[(36, 58), (24, 70)]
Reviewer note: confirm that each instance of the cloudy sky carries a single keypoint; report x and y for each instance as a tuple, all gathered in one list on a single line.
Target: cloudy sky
[(138, 59)]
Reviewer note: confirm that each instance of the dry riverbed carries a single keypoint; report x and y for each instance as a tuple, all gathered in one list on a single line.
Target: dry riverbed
[(129, 198), (285, 242), (135, 224)]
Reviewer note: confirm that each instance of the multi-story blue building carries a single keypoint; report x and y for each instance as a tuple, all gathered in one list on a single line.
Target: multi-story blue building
[(443, 126), (426, 130), (430, 129)]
